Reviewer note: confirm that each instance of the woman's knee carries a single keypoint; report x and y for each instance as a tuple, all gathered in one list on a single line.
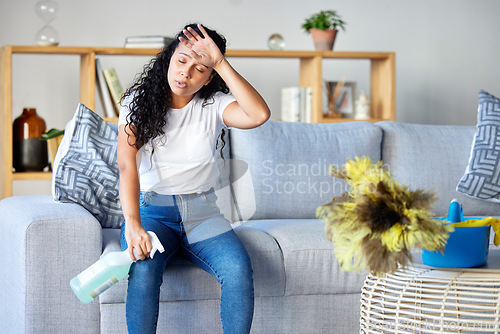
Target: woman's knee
[(239, 268), (147, 272)]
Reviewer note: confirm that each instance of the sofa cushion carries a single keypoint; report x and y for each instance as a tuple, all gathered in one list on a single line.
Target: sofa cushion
[(310, 264), (85, 167), (482, 176), (289, 257), (288, 165), (184, 281), (433, 158)]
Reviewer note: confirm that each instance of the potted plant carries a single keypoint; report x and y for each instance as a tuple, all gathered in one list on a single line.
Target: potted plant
[(323, 28)]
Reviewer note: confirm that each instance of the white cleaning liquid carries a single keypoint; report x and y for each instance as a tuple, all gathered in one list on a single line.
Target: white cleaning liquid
[(110, 269)]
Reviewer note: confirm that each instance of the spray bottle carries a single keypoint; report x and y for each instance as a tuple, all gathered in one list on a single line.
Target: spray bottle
[(107, 271)]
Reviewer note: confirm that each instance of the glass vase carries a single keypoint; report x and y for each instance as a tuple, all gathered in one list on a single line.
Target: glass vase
[(29, 152)]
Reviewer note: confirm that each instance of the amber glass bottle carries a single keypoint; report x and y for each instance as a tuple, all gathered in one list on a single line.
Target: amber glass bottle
[(30, 153)]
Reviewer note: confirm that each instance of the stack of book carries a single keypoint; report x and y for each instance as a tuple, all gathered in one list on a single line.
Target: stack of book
[(296, 104), (147, 42)]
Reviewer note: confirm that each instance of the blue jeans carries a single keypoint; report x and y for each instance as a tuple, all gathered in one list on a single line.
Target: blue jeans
[(193, 226)]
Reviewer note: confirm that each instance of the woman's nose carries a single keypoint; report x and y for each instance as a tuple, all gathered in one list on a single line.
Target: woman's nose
[(186, 74)]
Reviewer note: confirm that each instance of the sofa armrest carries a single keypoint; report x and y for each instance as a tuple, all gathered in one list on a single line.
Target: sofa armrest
[(45, 244)]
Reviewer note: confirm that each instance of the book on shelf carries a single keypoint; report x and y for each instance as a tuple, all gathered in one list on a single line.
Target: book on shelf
[(104, 94), (296, 104), (151, 41), (114, 86), (306, 97)]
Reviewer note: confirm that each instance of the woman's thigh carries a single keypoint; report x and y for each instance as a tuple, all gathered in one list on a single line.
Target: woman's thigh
[(220, 256), (160, 215), (201, 217)]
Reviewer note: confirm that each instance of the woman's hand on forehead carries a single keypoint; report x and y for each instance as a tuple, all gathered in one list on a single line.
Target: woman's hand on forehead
[(203, 49)]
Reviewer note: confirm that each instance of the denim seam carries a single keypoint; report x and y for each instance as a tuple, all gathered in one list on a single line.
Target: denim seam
[(209, 266)]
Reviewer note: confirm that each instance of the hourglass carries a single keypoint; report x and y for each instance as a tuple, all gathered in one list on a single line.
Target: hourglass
[(47, 10)]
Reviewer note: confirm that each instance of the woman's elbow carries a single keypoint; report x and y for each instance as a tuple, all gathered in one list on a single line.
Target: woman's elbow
[(263, 116)]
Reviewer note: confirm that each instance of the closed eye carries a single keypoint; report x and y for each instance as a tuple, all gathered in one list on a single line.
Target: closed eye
[(184, 58)]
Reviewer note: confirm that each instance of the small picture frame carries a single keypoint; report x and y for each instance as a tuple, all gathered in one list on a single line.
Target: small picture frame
[(345, 92)]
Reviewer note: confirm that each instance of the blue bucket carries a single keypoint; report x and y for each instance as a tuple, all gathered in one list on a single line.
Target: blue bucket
[(467, 247)]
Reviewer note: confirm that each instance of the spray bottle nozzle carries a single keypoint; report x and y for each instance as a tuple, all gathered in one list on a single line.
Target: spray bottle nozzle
[(156, 244), (455, 212)]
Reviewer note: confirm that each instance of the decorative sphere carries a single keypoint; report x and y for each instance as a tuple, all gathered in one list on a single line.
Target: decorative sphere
[(276, 42)]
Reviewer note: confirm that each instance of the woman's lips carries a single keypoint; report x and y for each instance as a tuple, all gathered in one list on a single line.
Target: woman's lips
[(181, 84)]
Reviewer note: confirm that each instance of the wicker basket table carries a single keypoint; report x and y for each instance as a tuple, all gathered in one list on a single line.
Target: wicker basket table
[(422, 299)]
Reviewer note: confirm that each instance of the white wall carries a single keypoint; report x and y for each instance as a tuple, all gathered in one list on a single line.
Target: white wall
[(446, 50)]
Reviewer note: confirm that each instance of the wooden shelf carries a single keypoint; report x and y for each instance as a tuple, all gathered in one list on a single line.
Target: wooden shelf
[(32, 176), (382, 87)]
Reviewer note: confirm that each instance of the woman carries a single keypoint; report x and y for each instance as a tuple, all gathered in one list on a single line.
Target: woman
[(170, 122)]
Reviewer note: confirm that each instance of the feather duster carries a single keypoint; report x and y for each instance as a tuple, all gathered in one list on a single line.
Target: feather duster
[(375, 225)]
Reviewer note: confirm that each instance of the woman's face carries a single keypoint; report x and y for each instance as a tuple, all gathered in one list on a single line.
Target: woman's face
[(185, 75)]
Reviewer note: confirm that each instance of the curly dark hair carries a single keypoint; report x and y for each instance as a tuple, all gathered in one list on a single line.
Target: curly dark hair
[(150, 93)]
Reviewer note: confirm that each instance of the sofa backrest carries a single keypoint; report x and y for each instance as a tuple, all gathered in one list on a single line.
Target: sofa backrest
[(432, 158), (280, 170)]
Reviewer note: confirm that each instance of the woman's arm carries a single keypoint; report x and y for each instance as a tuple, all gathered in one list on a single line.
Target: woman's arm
[(250, 110), (135, 234)]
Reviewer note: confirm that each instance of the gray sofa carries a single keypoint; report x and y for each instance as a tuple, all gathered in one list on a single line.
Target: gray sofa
[(278, 175)]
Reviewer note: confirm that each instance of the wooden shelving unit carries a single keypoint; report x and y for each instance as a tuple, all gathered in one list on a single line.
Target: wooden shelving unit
[(382, 87)]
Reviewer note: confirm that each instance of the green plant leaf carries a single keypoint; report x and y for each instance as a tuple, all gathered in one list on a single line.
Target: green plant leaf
[(52, 133), (325, 19)]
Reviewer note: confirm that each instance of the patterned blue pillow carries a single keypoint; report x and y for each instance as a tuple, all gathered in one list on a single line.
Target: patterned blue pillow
[(482, 176), (85, 168)]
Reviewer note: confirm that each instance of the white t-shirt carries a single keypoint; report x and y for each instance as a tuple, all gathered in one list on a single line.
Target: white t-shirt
[(184, 158)]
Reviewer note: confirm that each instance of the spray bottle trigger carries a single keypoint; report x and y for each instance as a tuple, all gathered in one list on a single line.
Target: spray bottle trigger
[(135, 254), (155, 242)]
